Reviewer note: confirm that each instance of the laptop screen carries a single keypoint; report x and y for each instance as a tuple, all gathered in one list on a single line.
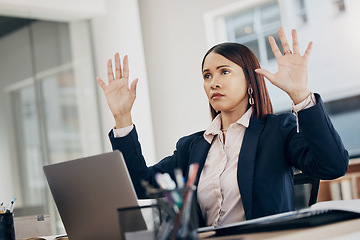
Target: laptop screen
[(88, 191)]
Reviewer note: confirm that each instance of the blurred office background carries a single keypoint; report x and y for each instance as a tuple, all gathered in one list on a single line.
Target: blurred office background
[(52, 110)]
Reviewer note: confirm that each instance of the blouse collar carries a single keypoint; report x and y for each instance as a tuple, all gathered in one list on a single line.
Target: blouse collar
[(215, 126)]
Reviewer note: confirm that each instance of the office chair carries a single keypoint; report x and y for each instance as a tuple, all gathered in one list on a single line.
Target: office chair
[(301, 178)]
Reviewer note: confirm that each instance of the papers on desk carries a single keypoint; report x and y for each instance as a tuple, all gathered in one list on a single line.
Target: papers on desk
[(318, 214), (344, 205), (59, 237)]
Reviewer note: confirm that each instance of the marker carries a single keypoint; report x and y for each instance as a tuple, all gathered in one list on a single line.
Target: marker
[(186, 215), (193, 169), (170, 185), (171, 196), (152, 192), (10, 208), (160, 180), (179, 177)]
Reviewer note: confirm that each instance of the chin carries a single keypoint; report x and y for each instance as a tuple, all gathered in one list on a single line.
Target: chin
[(219, 107)]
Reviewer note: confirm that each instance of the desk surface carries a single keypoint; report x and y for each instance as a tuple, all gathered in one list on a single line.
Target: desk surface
[(340, 230)]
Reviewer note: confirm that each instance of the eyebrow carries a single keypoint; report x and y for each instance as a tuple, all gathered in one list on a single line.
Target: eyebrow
[(221, 66)]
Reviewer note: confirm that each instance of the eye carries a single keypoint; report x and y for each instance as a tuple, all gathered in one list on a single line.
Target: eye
[(207, 76), (224, 72)]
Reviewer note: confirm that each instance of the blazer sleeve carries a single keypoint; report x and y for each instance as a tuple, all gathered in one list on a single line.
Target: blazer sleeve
[(130, 147), (317, 149)]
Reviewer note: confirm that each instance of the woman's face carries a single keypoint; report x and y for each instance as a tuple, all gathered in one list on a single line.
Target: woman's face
[(225, 84)]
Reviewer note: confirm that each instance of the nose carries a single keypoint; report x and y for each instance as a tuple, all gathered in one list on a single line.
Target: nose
[(215, 83)]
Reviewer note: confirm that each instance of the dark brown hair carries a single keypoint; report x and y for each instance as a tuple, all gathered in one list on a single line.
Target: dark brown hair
[(245, 58)]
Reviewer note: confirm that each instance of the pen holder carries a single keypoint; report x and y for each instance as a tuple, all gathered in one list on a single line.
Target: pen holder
[(133, 220), (7, 231), (166, 219), (178, 211)]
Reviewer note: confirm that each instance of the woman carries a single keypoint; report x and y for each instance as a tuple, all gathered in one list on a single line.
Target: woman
[(247, 155)]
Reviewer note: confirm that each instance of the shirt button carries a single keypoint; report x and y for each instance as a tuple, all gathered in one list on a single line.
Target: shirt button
[(222, 213)]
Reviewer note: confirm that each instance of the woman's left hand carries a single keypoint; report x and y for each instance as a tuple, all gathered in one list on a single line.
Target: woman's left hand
[(292, 74)]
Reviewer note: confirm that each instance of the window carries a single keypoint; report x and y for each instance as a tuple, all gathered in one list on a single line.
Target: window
[(338, 6), (252, 28), (301, 12), (48, 101), (62, 133), (345, 116)]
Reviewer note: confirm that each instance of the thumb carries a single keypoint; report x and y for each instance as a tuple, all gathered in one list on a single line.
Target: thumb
[(133, 87), (265, 73)]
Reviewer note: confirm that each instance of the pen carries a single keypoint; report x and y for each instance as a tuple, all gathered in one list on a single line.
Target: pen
[(179, 177), (2, 208), (164, 183), (170, 185), (193, 169), (150, 190), (160, 180), (185, 221), (10, 208)]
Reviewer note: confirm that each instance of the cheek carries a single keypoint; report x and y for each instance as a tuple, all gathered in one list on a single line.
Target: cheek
[(206, 89), (240, 86), (239, 90)]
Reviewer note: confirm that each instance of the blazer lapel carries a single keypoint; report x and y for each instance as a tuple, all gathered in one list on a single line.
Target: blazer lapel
[(199, 152), (246, 163)]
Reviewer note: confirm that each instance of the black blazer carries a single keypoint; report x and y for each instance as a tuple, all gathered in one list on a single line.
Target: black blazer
[(271, 149)]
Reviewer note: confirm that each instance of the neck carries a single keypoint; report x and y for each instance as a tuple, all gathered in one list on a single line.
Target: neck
[(229, 117)]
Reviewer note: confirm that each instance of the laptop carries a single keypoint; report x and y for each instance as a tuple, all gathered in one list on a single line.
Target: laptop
[(88, 192)]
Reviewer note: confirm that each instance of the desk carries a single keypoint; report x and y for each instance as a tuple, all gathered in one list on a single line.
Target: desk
[(340, 230)]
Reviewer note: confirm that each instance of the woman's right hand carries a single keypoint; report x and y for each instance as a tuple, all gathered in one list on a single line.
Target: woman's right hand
[(119, 96)]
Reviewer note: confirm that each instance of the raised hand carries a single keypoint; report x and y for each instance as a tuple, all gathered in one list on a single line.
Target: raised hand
[(292, 74), (119, 96)]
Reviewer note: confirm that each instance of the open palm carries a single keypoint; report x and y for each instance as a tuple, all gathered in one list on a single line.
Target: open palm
[(119, 96), (292, 74)]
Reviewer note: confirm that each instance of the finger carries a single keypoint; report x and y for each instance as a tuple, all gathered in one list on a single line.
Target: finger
[(308, 51), (295, 40), (126, 67), (117, 66), (101, 83), (133, 87), (110, 71), (265, 73), (274, 47), (284, 42)]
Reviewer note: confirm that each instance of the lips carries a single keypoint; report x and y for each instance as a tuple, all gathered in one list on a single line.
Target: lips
[(217, 95)]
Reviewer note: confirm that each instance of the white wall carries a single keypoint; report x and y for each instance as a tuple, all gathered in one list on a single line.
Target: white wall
[(52, 10), (175, 43), (119, 31)]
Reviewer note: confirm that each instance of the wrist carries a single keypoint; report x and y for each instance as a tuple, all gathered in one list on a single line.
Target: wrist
[(123, 120), (299, 96)]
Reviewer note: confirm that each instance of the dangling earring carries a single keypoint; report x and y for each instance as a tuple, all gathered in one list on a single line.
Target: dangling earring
[(250, 92)]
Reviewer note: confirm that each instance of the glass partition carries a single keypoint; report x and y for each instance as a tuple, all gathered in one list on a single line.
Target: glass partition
[(51, 109)]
